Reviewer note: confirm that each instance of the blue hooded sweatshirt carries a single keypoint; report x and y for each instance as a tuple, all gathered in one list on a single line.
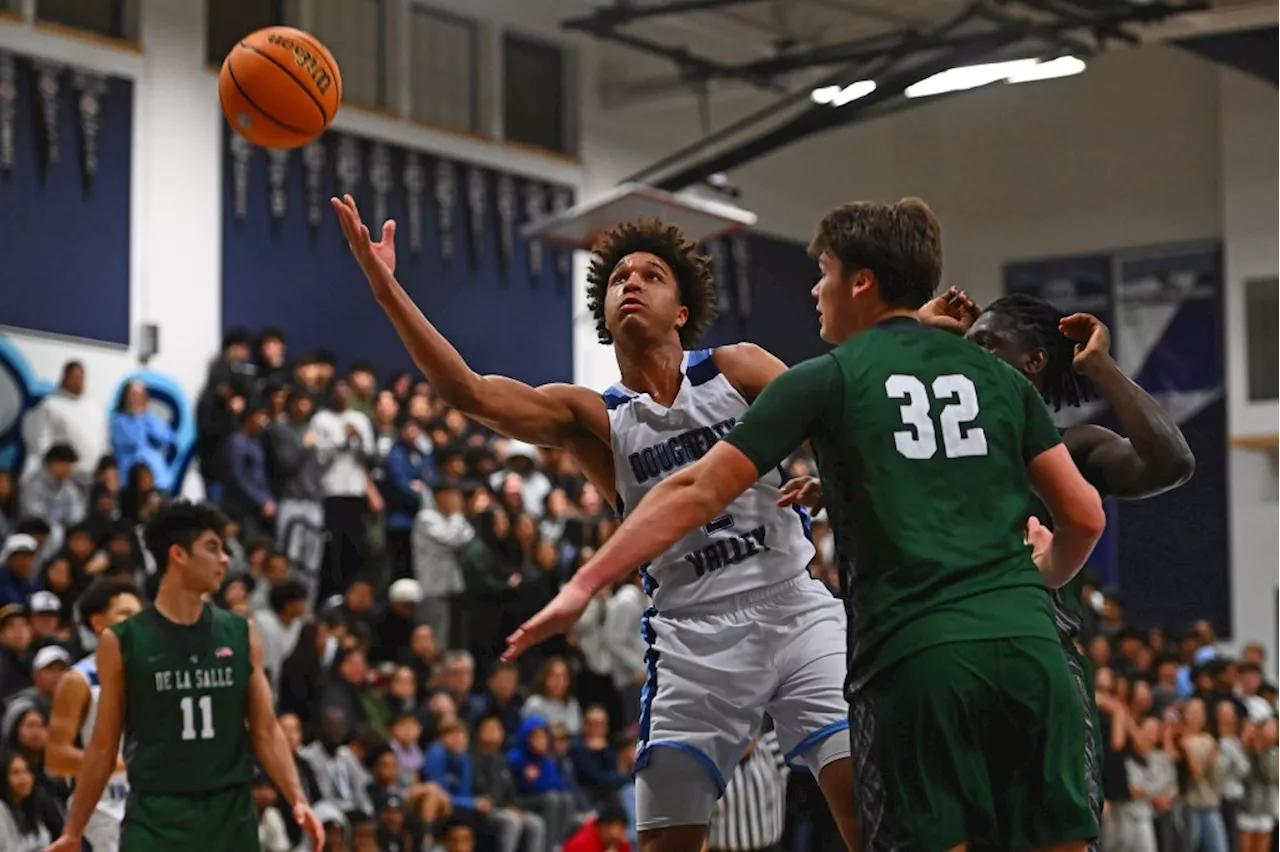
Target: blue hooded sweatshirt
[(534, 774)]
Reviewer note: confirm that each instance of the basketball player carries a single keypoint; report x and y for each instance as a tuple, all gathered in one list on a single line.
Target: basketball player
[(737, 627), (188, 679), (965, 723), (105, 603), (1067, 358)]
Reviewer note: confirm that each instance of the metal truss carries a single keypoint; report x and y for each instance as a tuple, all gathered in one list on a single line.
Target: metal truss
[(985, 31)]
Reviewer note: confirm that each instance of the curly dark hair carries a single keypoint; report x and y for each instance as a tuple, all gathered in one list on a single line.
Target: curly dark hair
[(667, 242)]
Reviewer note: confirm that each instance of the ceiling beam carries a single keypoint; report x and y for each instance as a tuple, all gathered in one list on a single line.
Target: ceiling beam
[(621, 14)]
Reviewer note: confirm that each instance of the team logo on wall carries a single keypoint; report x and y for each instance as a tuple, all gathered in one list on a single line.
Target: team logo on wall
[(720, 271), (561, 201), (91, 91), (348, 165)]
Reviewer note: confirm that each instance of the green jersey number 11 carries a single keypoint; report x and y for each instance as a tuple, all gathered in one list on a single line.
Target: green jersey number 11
[(921, 440), (191, 707)]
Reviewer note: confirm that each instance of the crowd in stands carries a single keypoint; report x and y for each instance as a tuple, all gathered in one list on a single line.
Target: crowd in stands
[(385, 546)]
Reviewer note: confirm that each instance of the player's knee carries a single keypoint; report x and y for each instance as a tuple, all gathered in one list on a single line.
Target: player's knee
[(677, 838), (674, 790)]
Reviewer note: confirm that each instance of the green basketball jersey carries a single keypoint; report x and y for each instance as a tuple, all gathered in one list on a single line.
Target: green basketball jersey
[(187, 694), (922, 440)]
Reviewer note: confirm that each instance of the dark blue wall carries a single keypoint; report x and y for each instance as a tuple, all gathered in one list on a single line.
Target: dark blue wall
[(280, 273), (64, 246)]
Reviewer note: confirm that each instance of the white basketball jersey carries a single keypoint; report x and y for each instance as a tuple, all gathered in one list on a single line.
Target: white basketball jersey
[(753, 544), (116, 794)]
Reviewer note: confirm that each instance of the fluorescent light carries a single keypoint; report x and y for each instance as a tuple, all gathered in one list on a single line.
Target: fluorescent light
[(838, 96), (967, 77)]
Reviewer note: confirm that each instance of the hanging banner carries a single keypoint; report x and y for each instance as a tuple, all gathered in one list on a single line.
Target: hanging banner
[(313, 160), (8, 110), (741, 250), (47, 78), (446, 205), (380, 178), (719, 254), (347, 166), (241, 156), (507, 213), (277, 179), (477, 211), (561, 201), (535, 208), (415, 182), (91, 92)]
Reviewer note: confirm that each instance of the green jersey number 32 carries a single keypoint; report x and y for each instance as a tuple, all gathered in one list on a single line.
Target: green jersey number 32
[(961, 409)]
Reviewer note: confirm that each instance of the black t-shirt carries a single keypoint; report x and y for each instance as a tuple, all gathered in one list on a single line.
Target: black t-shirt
[(1115, 777)]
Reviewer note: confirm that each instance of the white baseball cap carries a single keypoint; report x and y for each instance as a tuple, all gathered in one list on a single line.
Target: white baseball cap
[(44, 601), (405, 591), (18, 543), (48, 655)]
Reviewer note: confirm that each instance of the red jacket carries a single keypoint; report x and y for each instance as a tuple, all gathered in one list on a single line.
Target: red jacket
[(587, 839)]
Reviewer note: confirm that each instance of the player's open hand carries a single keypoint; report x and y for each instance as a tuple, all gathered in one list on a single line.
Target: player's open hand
[(1040, 538), (802, 491), (1092, 339), (553, 619), (65, 843), (953, 311), (309, 823), (374, 258)]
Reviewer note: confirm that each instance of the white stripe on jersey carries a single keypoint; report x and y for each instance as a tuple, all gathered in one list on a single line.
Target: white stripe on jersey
[(116, 793), (755, 543)]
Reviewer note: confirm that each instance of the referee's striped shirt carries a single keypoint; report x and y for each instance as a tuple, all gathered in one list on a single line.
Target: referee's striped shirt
[(752, 813)]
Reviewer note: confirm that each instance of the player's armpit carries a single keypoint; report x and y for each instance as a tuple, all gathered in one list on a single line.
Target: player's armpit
[(748, 367), (61, 756), (1076, 509)]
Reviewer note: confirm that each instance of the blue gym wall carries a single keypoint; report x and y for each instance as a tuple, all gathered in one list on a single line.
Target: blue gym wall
[(64, 239), (503, 318)]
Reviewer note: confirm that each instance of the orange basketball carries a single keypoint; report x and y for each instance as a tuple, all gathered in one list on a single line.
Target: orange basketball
[(280, 87)]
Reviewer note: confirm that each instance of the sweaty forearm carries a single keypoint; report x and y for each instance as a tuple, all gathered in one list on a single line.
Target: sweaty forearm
[(1068, 553), (64, 760), (667, 514), (276, 758)]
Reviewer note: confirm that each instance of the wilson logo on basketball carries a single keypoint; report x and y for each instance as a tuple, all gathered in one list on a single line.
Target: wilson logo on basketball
[(306, 60)]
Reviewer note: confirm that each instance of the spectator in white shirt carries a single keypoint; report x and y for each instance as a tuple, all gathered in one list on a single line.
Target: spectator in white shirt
[(67, 417), (344, 444), (522, 459), (438, 532), (626, 645)]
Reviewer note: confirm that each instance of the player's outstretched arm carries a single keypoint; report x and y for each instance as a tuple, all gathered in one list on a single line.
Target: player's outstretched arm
[(1078, 520), (270, 745), (1155, 456), (674, 508), (100, 758), (546, 416)]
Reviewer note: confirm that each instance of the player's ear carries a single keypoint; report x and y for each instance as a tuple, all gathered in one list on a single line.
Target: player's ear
[(682, 317), (1037, 360)]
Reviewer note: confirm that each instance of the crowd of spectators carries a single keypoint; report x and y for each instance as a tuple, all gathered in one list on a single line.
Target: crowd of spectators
[(385, 546)]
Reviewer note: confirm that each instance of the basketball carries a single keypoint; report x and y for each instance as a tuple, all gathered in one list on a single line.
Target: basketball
[(279, 87)]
